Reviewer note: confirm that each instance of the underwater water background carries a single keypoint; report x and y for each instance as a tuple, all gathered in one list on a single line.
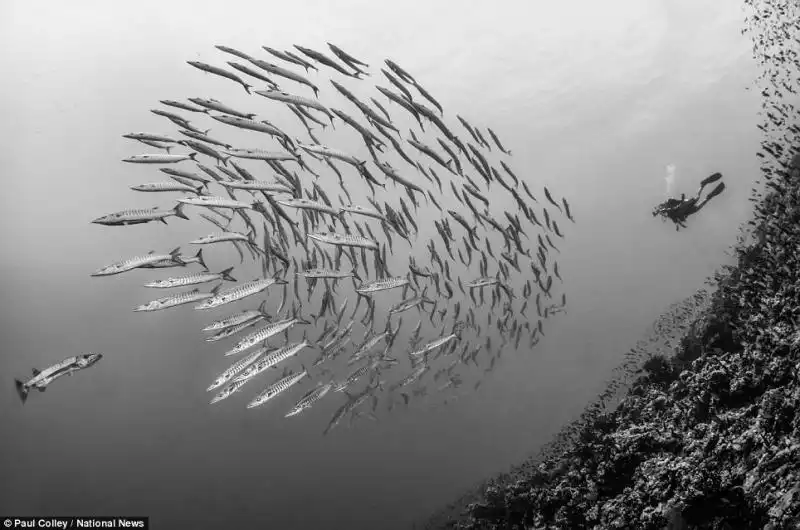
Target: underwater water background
[(594, 101)]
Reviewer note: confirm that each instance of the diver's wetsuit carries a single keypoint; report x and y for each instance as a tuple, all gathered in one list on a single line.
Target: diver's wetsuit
[(678, 210)]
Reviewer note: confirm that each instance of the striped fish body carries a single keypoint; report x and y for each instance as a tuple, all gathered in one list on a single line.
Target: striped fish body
[(307, 204), (235, 368), (213, 104), (262, 334), (139, 216), (382, 285), (233, 330), (276, 388), (260, 154), (158, 158), (405, 305), (174, 300), (351, 404), (244, 123), (220, 238), (291, 99), (211, 201), (366, 347), (414, 376), (345, 240), (482, 282), (41, 379), (183, 281), (135, 263), (272, 359), (360, 210), (185, 174), (311, 397), (258, 185), (150, 137), (352, 378), (433, 345), (227, 390), (233, 320), (332, 153), (165, 186), (325, 273), (237, 293)]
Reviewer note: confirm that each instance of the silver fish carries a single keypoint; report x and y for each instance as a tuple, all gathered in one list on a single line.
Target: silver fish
[(213, 104), (150, 136), (276, 388), (192, 279), (211, 201), (306, 204), (159, 159), (482, 282), (237, 293), (237, 318), (361, 210), (382, 284), (227, 390), (140, 216), (174, 300), (311, 397), (344, 240), (260, 154), (233, 330), (136, 262), (258, 185), (273, 358), (291, 99), (220, 238), (235, 368), (41, 379), (167, 186), (263, 334)]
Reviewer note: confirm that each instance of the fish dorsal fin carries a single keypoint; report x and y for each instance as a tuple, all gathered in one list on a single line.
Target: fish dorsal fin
[(36, 372)]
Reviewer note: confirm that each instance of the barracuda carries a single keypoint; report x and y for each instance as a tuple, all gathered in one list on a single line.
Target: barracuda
[(42, 379), (239, 292), (192, 279), (235, 368), (276, 388), (137, 262), (272, 359)]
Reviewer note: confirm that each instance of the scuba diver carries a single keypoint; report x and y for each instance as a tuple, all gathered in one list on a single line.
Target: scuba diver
[(678, 210)]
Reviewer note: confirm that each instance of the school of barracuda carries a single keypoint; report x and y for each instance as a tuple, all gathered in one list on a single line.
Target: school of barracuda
[(489, 258)]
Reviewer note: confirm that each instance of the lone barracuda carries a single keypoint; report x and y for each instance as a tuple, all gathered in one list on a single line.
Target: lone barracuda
[(42, 379)]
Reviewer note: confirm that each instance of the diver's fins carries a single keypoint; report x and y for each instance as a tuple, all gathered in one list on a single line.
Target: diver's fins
[(716, 191), (709, 180)]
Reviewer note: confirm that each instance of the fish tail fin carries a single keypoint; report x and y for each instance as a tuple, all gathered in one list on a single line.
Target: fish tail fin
[(168, 149), (250, 117), (226, 275), (21, 390), (192, 155), (199, 189), (179, 211), (247, 88), (200, 259), (316, 91)]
